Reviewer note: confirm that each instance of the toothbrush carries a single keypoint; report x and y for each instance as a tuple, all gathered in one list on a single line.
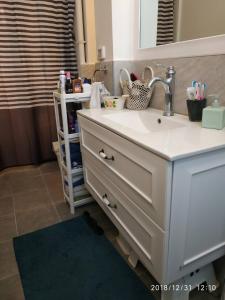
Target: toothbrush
[(193, 83), (198, 90), (202, 92)]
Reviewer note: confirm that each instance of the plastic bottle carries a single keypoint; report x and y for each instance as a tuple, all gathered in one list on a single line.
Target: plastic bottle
[(62, 82), (69, 86), (77, 86)]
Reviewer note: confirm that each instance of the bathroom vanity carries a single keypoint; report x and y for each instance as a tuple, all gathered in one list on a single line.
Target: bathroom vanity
[(162, 183)]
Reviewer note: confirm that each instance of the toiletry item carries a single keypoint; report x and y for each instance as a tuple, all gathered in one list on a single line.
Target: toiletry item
[(114, 102), (203, 91), (86, 88), (86, 80), (193, 83), (198, 91), (62, 80), (77, 86), (191, 92), (70, 119), (68, 85), (214, 115)]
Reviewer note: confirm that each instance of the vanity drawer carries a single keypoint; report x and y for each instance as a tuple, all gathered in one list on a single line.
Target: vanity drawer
[(145, 238), (142, 175)]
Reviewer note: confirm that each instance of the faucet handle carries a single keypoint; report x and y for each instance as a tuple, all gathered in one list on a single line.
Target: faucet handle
[(171, 71)]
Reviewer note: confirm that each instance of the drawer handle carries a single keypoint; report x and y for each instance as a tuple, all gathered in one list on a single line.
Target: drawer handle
[(104, 156), (106, 201)]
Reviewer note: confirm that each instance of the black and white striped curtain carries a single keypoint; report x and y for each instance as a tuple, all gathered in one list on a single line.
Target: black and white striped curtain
[(165, 27), (36, 41)]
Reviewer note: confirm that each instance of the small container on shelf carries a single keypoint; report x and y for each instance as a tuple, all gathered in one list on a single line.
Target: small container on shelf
[(112, 102), (68, 84), (77, 86)]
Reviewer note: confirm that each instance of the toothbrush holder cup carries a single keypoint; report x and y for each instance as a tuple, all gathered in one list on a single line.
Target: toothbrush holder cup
[(195, 109)]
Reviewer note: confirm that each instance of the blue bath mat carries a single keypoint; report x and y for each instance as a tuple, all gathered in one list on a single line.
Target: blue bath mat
[(72, 261)]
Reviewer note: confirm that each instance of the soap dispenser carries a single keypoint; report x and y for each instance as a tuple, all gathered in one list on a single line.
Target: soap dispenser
[(214, 115)]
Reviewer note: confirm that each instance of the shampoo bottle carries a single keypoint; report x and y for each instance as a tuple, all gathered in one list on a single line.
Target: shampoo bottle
[(62, 82)]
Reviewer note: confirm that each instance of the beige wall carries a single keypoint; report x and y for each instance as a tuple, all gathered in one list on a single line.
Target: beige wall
[(201, 18), (90, 33), (103, 25)]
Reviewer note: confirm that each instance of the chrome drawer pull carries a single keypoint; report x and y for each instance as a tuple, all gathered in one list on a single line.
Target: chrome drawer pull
[(106, 201), (104, 156)]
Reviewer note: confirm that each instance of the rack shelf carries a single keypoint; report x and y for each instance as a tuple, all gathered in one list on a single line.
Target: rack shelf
[(74, 198), (72, 171), (72, 98), (71, 136)]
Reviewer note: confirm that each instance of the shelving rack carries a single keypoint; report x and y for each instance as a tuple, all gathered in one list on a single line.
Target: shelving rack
[(68, 173)]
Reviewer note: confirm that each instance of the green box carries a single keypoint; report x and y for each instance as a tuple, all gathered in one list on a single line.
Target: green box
[(213, 117)]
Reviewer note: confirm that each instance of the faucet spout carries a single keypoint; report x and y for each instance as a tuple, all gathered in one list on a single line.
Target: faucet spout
[(169, 86), (162, 81)]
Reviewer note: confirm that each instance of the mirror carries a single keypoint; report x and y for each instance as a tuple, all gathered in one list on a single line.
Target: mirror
[(168, 21)]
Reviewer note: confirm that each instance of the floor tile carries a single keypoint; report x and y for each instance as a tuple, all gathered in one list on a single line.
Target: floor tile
[(8, 266), (6, 206), (63, 210), (5, 187), (26, 171), (30, 200), (11, 289), (24, 183), (54, 186), (37, 218), (38, 197), (49, 167), (7, 228), (93, 208)]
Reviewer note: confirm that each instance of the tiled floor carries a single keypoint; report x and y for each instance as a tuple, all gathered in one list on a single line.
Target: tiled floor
[(31, 198)]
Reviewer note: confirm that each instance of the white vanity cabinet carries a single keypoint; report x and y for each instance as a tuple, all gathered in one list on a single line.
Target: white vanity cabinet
[(171, 213)]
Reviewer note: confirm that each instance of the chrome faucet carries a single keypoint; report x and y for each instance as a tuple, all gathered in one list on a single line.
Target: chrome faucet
[(169, 86)]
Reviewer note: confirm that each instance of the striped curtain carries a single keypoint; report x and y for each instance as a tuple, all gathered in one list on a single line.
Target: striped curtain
[(165, 27), (36, 41)]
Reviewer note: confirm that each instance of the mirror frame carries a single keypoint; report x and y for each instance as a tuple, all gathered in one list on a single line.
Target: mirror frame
[(214, 45)]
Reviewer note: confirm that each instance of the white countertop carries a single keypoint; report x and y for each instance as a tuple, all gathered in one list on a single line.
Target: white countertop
[(174, 138)]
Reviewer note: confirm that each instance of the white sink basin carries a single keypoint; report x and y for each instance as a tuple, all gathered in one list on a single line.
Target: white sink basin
[(170, 137), (144, 121)]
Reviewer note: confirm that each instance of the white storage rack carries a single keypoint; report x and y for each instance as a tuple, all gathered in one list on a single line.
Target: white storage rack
[(65, 138)]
